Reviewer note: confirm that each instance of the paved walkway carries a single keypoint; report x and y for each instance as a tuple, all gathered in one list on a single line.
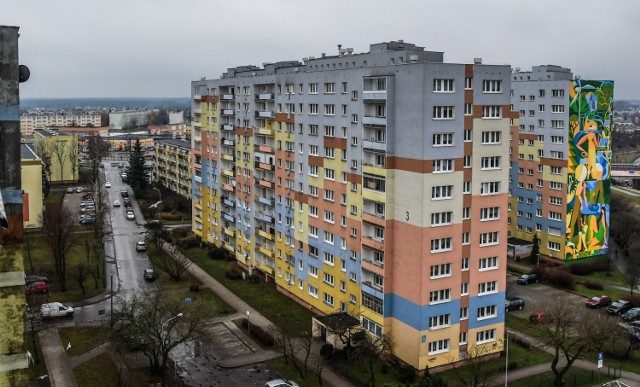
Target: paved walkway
[(58, 364)]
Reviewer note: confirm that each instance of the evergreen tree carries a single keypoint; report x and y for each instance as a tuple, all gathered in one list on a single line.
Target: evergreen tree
[(137, 171)]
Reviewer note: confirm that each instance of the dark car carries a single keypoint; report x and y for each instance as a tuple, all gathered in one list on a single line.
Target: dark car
[(632, 314), (513, 303), (87, 221), (70, 190), (153, 225), (540, 318), (37, 288), (619, 307), (527, 279), (149, 275), (31, 278), (598, 301), (124, 193)]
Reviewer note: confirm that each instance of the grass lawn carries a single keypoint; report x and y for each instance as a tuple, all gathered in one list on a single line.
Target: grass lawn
[(615, 277), (97, 372), (576, 377), (56, 195), (217, 304), (40, 368), (82, 339), (142, 377), (614, 293), (288, 372), (264, 297)]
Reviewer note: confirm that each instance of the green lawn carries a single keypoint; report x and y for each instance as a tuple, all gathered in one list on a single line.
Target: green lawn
[(263, 297), (614, 293), (82, 339), (615, 277), (288, 372), (576, 377), (56, 195), (217, 304), (97, 372)]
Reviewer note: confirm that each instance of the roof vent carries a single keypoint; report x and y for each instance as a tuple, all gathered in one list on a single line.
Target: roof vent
[(477, 60)]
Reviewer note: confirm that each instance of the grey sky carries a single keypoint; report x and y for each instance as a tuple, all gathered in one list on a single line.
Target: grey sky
[(154, 48)]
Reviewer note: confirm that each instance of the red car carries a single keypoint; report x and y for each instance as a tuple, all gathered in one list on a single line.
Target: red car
[(598, 301), (37, 287)]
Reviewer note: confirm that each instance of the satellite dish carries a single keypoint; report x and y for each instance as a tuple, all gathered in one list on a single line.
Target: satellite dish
[(23, 73)]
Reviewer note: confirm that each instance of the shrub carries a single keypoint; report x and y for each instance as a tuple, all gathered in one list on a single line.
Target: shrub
[(216, 253), (584, 268), (406, 374), (512, 365), (634, 299), (561, 279), (541, 272), (521, 343), (233, 273), (326, 350), (194, 288), (594, 285), (258, 333), (181, 232)]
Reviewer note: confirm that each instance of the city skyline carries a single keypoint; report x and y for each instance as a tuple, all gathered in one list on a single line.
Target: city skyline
[(140, 49)]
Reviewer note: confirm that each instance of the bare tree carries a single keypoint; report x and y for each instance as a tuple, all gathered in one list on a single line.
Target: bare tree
[(173, 263), (624, 227), (159, 322), (372, 348), (45, 156), (73, 159), (60, 149), (97, 150), (57, 228), (472, 369), (28, 246), (633, 277), (81, 274), (317, 365)]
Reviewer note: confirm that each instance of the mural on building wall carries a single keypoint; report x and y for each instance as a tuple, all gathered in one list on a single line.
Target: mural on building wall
[(589, 168)]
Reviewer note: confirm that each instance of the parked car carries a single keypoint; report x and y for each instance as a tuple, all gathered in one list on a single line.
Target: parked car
[(598, 301), (527, 279), (513, 303), (153, 225), (131, 215), (124, 193), (126, 200), (631, 315), (37, 288), (281, 383), (55, 309), (116, 203), (149, 274), (120, 165), (107, 184), (87, 220), (540, 318), (78, 189), (31, 278), (141, 246), (619, 307), (69, 189)]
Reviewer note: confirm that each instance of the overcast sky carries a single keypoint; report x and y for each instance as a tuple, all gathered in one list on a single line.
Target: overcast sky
[(154, 48)]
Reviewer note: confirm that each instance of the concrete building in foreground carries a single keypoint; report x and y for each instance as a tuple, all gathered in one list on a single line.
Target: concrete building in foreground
[(172, 165), (560, 169), (373, 183)]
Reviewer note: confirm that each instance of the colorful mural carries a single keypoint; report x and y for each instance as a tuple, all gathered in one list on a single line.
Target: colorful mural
[(589, 164)]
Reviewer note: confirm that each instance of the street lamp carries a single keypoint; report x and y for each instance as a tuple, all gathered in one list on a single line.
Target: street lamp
[(506, 362), (164, 323)]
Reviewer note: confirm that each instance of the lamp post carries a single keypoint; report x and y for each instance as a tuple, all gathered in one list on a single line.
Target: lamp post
[(162, 335), (506, 362), (159, 200)]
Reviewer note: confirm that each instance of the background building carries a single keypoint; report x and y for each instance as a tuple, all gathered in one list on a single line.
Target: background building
[(372, 183), (32, 199), (560, 179), (172, 165), (62, 149), (125, 119), (46, 119), (13, 354)]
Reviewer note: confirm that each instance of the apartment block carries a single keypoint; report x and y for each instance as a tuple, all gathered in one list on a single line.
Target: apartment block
[(374, 184), (172, 165), (61, 148), (32, 198), (560, 166), (46, 119)]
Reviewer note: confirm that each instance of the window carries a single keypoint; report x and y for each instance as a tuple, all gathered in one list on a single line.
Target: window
[(441, 192), (329, 174), (443, 112), (375, 84), (313, 251), (374, 183), (462, 338), (372, 302), (328, 299), (491, 86), (464, 313), (557, 93), (443, 320), (556, 170), (486, 336), (466, 212), (313, 108), (313, 191), (442, 270), (555, 215), (555, 200), (557, 124), (329, 195), (313, 232), (557, 139), (465, 264), (557, 108), (541, 123), (354, 95), (468, 135), (329, 88), (487, 287), (329, 216), (493, 137), (328, 259), (443, 139), (352, 298), (467, 162), (329, 110), (464, 289), (313, 88), (443, 165), (491, 162), (489, 213), (439, 346), (441, 244), (313, 291), (468, 83), (328, 278), (468, 109), (328, 237), (371, 327), (557, 155), (489, 238), (489, 263), (438, 296), (492, 112), (330, 131), (553, 246), (313, 170), (441, 218), (443, 85), (490, 188), (313, 271), (466, 238)]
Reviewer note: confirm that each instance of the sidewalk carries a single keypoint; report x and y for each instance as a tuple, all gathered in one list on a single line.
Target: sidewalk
[(256, 318), (56, 359)]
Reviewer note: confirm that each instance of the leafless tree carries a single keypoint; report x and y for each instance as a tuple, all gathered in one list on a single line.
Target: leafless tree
[(633, 277), (372, 348), (81, 274), (60, 150), (470, 369), (624, 227), (57, 229), (45, 156), (317, 364), (171, 262), (28, 246), (97, 150), (73, 159), (159, 322)]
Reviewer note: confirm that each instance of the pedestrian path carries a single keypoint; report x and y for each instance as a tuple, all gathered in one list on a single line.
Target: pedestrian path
[(56, 359)]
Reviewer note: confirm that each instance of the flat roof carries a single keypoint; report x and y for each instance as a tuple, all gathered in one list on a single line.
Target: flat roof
[(518, 242), (174, 142)]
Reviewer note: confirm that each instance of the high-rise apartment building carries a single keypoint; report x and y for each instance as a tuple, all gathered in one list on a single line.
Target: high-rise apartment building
[(372, 183), (560, 164)]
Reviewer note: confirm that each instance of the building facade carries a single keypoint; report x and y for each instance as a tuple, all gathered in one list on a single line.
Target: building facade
[(39, 120), (372, 183), (61, 148), (172, 165), (32, 199), (560, 168), (134, 118)]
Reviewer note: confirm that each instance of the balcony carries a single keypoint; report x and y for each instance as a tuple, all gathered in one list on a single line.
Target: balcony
[(265, 235), (227, 172), (228, 247), (265, 183), (228, 127), (265, 114), (263, 148), (266, 251), (227, 112), (227, 97), (229, 231), (228, 157), (375, 219), (228, 187), (375, 290), (228, 202), (228, 142), (228, 217), (375, 121), (267, 201), (374, 96), (265, 166), (265, 96), (263, 217), (197, 97), (373, 243), (373, 266), (374, 144), (197, 111), (265, 131)]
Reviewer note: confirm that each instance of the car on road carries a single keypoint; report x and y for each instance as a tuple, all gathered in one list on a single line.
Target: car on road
[(598, 301), (124, 193), (116, 203), (107, 184), (120, 165), (31, 278), (149, 274), (513, 303), (131, 215), (632, 314), (87, 220), (281, 383), (141, 246), (540, 318), (127, 201), (619, 307), (78, 189), (55, 309), (527, 279), (40, 287), (69, 189)]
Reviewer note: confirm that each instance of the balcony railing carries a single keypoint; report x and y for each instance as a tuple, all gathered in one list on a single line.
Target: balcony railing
[(228, 97), (265, 96), (265, 166), (265, 114), (227, 112), (227, 127)]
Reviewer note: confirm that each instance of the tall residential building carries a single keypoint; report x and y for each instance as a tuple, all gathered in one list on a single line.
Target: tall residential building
[(372, 183), (172, 165), (46, 119), (560, 168), (13, 348)]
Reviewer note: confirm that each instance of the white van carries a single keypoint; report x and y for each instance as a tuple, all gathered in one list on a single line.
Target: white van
[(55, 309)]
